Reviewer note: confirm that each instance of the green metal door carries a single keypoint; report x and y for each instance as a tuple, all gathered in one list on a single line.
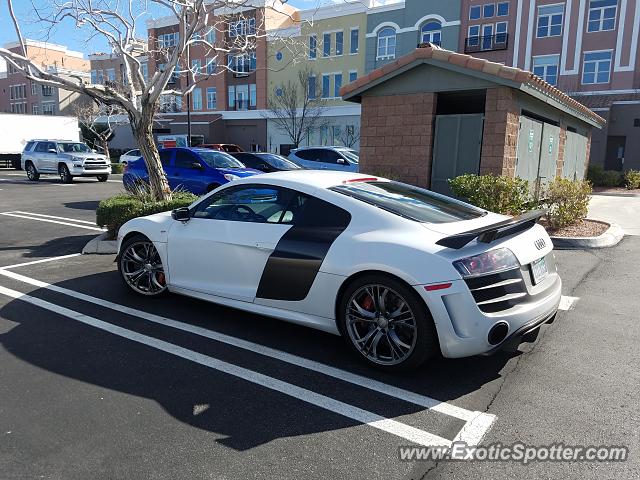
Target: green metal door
[(529, 141), (456, 148)]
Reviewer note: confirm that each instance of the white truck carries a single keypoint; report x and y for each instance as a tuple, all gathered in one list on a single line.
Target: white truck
[(16, 130)]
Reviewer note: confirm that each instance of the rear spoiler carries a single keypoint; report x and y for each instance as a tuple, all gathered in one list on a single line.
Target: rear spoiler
[(493, 232)]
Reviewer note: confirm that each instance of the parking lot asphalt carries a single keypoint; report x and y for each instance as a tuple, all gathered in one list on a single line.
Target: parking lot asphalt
[(98, 383)]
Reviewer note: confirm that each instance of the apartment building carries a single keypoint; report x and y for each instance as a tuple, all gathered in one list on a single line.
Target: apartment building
[(109, 69), (587, 48), (395, 28), (22, 96), (327, 44), (230, 94)]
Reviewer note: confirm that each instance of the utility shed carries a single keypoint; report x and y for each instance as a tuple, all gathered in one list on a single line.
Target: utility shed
[(435, 114)]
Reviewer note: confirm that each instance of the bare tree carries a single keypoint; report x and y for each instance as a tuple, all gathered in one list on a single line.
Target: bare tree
[(349, 136), (296, 108), (101, 122), (117, 22)]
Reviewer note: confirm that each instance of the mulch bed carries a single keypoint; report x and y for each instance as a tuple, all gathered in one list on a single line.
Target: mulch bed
[(615, 190), (585, 228)]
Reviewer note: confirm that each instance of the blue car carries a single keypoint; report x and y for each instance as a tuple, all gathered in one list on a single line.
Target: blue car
[(197, 170)]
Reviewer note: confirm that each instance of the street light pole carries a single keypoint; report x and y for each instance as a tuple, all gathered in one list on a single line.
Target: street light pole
[(188, 98)]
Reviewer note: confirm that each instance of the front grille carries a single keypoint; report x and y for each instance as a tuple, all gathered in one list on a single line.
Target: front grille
[(499, 291), (95, 167)]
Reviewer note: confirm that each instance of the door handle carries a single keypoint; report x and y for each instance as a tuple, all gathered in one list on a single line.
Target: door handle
[(265, 246)]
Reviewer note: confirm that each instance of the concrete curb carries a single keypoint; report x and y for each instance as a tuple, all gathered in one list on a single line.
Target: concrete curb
[(100, 246), (609, 238), (615, 194)]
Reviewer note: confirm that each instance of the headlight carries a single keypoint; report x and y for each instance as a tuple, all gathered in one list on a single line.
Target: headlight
[(230, 177), (493, 261)]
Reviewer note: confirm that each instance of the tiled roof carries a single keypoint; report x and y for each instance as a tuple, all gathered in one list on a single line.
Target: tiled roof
[(498, 70)]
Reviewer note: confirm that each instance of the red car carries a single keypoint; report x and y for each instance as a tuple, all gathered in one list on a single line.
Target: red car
[(223, 147)]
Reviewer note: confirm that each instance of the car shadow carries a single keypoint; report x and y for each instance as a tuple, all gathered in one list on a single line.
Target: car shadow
[(53, 247), (246, 415), (86, 205)]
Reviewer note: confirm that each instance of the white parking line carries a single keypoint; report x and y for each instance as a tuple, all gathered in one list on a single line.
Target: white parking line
[(481, 422), (567, 303), (44, 260), (53, 216), (394, 427), (9, 214)]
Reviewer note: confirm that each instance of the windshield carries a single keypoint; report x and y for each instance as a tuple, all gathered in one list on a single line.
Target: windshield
[(279, 162), (219, 159), (351, 155), (73, 147), (411, 202)]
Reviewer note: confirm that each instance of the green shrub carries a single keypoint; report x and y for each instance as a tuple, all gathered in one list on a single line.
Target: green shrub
[(567, 201), (599, 177), (632, 179), (114, 212), (509, 196), (117, 168)]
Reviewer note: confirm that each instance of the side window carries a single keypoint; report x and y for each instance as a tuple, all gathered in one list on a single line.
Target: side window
[(309, 154), (248, 160), (249, 203), (165, 157), (28, 146), (135, 153), (51, 146), (329, 156), (184, 159), (41, 147)]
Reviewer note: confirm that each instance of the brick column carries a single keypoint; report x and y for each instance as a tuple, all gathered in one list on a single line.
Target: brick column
[(588, 154), (501, 129), (562, 142), (396, 137)]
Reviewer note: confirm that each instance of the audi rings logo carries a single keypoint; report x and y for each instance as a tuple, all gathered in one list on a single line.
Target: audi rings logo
[(540, 243)]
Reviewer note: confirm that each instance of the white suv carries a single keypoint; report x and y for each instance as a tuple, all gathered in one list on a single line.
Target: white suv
[(342, 159), (66, 158)]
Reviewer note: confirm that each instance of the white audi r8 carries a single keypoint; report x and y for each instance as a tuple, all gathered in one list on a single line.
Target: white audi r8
[(401, 272)]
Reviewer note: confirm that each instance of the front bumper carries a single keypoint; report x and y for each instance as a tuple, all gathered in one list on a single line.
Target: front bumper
[(90, 170), (463, 329)]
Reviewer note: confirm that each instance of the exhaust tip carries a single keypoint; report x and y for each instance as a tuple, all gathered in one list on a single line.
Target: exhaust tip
[(498, 333)]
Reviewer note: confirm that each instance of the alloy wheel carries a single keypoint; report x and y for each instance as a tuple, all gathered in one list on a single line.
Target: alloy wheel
[(381, 324), (142, 269), (31, 172)]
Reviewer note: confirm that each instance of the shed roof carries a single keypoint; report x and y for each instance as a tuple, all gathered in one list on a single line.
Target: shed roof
[(495, 72)]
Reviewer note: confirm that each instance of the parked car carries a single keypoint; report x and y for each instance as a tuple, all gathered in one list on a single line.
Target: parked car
[(223, 147), (197, 170), (266, 162), (402, 273), (130, 156), (342, 159), (67, 158)]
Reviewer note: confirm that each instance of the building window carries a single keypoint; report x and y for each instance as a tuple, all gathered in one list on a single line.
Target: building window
[(550, 20), (211, 36), (503, 9), (313, 47), (279, 56), (339, 43), (111, 74), (355, 41), (326, 82), (35, 109), (167, 40), (279, 92), (196, 65), (501, 33), (386, 43), (546, 67), (326, 45), (231, 96), (212, 98), (337, 85), (431, 33), (602, 15), (211, 66), (353, 76), (94, 77), (474, 36), (489, 10), (48, 108), (243, 27), (197, 35), (144, 69), (596, 67), (244, 63), (475, 12), (312, 88), (253, 95), (34, 88), (47, 91), (197, 98)]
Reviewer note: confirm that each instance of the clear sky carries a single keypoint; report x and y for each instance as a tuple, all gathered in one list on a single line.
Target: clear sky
[(67, 34)]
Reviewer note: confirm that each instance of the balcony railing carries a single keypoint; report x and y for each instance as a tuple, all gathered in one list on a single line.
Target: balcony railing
[(486, 43)]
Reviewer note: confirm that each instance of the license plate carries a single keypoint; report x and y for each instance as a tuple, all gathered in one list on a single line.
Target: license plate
[(539, 270)]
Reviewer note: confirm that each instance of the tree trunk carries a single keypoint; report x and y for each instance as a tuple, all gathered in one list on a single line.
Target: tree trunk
[(105, 147), (143, 131)]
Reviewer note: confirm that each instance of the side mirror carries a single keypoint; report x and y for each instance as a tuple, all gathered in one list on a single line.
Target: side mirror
[(342, 161), (181, 214), (52, 150), (197, 166)]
